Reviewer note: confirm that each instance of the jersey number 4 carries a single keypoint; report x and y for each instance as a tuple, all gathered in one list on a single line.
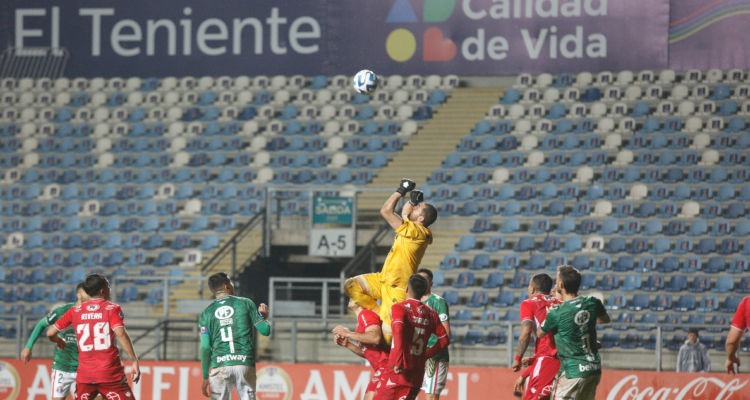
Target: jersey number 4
[(102, 339), (226, 336), (418, 344)]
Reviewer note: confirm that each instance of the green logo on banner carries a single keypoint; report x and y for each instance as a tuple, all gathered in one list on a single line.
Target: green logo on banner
[(332, 210)]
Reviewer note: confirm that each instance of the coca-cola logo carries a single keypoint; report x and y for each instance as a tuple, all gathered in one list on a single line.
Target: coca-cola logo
[(694, 390)]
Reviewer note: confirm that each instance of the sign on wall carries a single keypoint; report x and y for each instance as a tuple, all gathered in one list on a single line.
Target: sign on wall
[(333, 227), (162, 380), (332, 210), (332, 242), (251, 37)]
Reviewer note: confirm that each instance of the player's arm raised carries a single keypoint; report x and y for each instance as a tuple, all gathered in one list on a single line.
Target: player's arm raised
[(124, 338), (389, 208)]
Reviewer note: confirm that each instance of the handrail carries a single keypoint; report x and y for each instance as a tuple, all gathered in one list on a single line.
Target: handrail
[(365, 251), (148, 331), (231, 244)]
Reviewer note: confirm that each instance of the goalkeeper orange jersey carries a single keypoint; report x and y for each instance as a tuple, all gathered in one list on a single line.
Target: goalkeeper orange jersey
[(406, 254)]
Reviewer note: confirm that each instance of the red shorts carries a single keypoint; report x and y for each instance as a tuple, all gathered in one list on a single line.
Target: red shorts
[(110, 391), (377, 382), (398, 392), (541, 378)]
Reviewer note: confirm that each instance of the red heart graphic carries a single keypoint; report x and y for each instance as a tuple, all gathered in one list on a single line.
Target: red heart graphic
[(436, 48)]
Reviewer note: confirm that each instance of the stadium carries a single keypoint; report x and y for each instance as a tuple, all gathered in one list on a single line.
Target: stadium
[(160, 144)]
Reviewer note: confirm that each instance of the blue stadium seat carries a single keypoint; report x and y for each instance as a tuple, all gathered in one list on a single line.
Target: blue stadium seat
[(481, 261), (525, 243), (466, 243), (609, 282), (478, 299), (639, 302), (685, 303), (536, 262), (602, 263), (616, 301), (564, 227), (662, 302), (588, 281), (450, 261), (708, 304), (495, 243), (730, 304), (648, 318), (451, 298), (520, 280), (654, 283), (494, 280)]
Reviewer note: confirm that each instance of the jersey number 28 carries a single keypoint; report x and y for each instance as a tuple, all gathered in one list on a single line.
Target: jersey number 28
[(102, 339)]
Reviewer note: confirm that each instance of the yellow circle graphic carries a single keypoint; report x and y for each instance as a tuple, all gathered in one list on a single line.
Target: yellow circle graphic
[(10, 382), (401, 45)]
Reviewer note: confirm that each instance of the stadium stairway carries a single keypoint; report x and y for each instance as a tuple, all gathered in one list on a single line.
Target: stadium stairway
[(246, 248), (433, 142), (425, 152)]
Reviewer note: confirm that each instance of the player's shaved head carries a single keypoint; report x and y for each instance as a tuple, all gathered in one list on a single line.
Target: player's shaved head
[(427, 274), (569, 277), (94, 284), (430, 214), (418, 286), (542, 282), (218, 281)]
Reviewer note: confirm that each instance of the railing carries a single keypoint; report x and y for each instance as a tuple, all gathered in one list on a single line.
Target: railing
[(304, 297), (33, 62), (230, 248), (161, 336), (165, 284), (290, 327)]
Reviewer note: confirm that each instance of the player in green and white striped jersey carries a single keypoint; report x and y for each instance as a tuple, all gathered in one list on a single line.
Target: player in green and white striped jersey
[(574, 325), (436, 370), (64, 362), (227, 347)]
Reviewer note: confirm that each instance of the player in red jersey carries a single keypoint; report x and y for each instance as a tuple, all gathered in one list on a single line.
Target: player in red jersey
[(544, 365), (371, 346), (100, 371), (740, 323), (413, 322)]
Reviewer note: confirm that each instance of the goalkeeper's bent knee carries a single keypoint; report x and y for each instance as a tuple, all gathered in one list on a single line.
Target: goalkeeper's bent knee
[(353, 289)]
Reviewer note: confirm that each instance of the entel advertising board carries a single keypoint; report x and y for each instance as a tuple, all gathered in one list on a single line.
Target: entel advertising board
[(182, 381)]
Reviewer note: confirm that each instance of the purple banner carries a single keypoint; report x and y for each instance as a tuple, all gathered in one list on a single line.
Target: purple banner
[(705, 34), (250, 37)]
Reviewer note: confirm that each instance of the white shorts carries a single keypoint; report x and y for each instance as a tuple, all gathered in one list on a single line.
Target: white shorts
[(575, 388), (436, 383), (223, 379), (63, 383)]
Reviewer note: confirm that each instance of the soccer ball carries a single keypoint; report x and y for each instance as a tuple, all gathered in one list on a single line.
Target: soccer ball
[(365, 82)]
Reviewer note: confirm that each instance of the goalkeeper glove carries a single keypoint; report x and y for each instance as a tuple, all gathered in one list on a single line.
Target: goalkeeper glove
[(406, 185), (416, 197)]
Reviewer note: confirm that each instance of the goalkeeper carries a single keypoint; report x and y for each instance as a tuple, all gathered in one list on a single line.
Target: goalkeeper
[(412, 239)]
